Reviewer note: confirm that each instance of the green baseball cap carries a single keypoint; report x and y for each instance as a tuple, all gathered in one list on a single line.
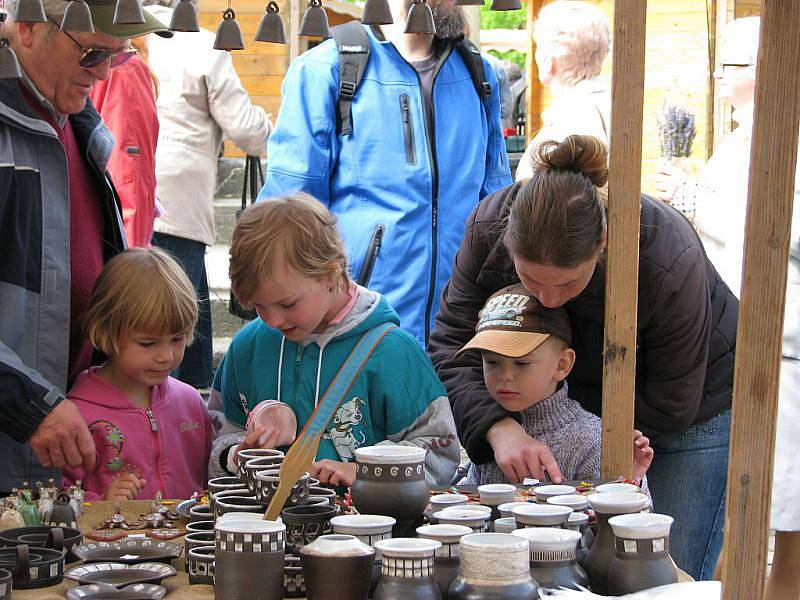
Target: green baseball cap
[(103, 19)]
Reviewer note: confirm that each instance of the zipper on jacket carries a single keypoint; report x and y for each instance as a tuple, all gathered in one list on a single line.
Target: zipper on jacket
[(153, 424), (298, 359), (157, 445), (408, 130), (374, 248)]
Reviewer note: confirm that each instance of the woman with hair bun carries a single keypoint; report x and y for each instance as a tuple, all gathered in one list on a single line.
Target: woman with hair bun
[(549, 233)]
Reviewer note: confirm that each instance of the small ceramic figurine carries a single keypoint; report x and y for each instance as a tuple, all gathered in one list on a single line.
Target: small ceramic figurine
[(11, 518), (28, 510), (77, 496), (116, 521), (62, 514), (45, 503)]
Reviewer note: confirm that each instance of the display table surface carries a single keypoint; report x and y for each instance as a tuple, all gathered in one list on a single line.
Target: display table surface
[(178, 587)]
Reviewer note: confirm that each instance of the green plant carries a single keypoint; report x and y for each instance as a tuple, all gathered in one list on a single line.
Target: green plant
[(506, 19), (514, 56)]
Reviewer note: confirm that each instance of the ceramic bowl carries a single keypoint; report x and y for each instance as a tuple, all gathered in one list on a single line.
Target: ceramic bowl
[(199, 526), (542, 515), (201, 512), (507, 509), (641, 526), (304, 524), (474, 519), (442, 501), (105, 591), (495, 494), (129, 551), (576, 502), (505, 525), (618, 503), (615, 488), (543, 492), (119, 574), (195, 540), (239, 504)]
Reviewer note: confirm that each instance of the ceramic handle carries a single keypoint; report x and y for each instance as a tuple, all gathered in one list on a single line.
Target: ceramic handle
[(23, 560), (55, 539)]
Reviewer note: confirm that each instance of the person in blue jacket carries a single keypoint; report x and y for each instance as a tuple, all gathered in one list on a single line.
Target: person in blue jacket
[(423, 150)]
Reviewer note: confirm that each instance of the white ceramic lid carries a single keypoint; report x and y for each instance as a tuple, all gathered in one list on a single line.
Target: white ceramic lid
[(493, 489), (578, 518), (505, 524), (574, 501), (407, 547), (386, 454), (618, 503), (507, 509), (544, 539), (240, 516), (545, 514), (545, 491), (613, 488), (486, 510), (494, 542), (362, 524), (443, 532), (641, 526), (337, 545), (457, 513), (449, 499), (249, 526)]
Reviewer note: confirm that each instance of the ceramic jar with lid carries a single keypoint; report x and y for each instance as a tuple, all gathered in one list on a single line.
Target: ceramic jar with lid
[(493, 565), (606, 505), (542, 515), (390, 480), (337, 567), (407, 570), (369, 529), (553, 555), (641, 553), (446, 556)]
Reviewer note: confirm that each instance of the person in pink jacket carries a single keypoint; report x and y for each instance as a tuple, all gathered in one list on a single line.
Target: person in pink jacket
[(152, 432)]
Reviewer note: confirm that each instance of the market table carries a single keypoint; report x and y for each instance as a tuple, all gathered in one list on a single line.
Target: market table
[(178, 587)]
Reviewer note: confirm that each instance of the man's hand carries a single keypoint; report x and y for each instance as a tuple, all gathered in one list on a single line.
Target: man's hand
[(63, 439), (642, 455), (124, 487), (333, 472), (519, 455)]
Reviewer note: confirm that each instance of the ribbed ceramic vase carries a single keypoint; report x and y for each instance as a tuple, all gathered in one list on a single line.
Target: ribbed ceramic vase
[(553, 556), (407, 570), (641, 553)]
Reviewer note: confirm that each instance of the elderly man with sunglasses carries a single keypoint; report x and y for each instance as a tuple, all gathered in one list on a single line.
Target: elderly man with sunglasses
[(59, 223)]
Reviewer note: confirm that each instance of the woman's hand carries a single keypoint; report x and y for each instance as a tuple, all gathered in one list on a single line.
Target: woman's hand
[(642, 455), (519, 455), (668, 179), (333, 472), (124, 487)]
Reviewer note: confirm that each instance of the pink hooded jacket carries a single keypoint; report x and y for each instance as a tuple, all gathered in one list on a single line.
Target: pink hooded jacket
[(167, 446)]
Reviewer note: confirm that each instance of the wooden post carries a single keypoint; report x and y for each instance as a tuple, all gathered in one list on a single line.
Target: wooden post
[(533, 93), (759, 338), (294, 28), (625, 171), (720, 119)]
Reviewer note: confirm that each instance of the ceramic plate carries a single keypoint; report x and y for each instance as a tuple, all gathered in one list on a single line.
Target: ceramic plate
[(129, 551), (183, 507), (103, 591), (119, 574)]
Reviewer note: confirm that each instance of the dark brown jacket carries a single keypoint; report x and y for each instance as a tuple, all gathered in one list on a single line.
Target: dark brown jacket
[(686, 326)]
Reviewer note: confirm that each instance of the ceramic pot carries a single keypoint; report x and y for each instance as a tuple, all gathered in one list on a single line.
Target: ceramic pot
[(495, 494), (251, 453), (201, 512), (615, 488), (469, 516), (195, 540), (46, 537), (442, 501), (239, 504), (507, 509), (446, 556), (201, 565), (304, 524), (219, 484), (267, 481), (598, 559), (249, 559), (254, 465), (553, 556), (33, 567), (323, 492), (641, 553), (369, 529), (390, 480), (5, 584), (505, 525), (493, 565), (195, 526), (294, 583), (407, 570), (346, 556), (543, 492), (579, 522), (576, 502), (542, 515)]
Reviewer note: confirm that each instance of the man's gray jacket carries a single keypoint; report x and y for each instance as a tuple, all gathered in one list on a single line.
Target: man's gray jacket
[(35, 268)]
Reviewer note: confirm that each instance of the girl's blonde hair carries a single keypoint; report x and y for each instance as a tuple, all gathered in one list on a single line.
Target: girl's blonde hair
[(295, 230), (144, 290)]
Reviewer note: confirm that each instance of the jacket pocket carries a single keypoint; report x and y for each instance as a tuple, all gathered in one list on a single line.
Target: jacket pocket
[(408, 129)]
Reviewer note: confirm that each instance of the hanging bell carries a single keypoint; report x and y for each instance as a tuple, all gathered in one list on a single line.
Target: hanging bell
[(77, 17), (9, 66), (420, 18), (315, 21), (128, 12), (30, 11), (468, 2), (271, 27), (229, 35), (184, 17), (505, 5), (377, 12)]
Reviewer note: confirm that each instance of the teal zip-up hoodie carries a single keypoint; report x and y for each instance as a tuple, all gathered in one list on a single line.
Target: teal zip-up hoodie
[(396, 398)]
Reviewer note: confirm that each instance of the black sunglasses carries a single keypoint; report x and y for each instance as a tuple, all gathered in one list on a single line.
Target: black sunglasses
[(92, 57)]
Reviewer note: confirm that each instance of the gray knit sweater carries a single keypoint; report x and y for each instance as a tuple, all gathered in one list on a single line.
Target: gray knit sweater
[(571, 433)]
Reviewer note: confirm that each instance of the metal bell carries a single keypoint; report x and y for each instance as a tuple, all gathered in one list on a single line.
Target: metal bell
[(315, 21), (468, 2), (420, 18), (9, 66), (271, 27), (30, 11), (505, 5), (377, 12), (128, 12), (77, 17), (229, 35), (184, 17)]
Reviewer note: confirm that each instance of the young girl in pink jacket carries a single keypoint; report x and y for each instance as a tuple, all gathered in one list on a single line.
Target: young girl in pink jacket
[(151, 432)]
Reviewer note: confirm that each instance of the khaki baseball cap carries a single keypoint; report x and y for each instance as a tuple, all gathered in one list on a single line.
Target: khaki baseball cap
[(103, 19), (514, 323)]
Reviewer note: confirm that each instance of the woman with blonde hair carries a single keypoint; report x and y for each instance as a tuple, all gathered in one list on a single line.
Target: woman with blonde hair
[(549, 232)]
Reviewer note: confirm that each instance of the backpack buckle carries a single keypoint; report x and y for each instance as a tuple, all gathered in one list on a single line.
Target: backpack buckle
[(347, 90), (487, 88)]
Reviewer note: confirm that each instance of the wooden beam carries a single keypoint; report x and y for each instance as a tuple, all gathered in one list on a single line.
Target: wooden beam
[(760, 332), (533, 92), (625, 172), (295, 6), (721, 112)]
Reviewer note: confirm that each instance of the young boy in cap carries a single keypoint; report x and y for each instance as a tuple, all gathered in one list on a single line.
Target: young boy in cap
[(526, 360)]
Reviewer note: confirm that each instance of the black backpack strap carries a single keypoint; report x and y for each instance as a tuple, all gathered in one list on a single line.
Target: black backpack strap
[(472, 58), (352, 42)]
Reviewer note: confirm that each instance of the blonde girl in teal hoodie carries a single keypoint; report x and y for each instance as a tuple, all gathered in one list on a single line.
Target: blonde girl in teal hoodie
[(287, 261)]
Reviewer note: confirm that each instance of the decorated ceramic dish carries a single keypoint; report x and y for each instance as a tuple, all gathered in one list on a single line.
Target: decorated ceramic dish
[(119, 574), (183, 507), (105, 591), (129, 551)]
